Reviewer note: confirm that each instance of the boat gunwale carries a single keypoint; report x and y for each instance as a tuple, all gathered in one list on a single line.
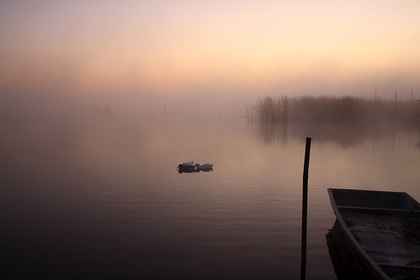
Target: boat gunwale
[(381, 211)]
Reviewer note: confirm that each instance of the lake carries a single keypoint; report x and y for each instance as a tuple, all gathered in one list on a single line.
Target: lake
[(99, 196)]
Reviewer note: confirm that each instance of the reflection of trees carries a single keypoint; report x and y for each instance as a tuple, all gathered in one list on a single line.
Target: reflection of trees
[(343, 135), (270, 132)]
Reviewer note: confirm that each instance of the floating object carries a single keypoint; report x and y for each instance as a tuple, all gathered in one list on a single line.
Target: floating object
[(188, 164), (203, 167), (382, 229), (189, 167)]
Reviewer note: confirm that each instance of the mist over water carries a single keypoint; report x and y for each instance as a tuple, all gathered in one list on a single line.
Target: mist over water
[(89, 188)]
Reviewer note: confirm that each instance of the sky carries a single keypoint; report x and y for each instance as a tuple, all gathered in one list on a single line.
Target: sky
[(176, 48)]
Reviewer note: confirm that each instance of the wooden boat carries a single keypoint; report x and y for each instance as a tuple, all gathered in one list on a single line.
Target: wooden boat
[(382, 229), (346, 266)]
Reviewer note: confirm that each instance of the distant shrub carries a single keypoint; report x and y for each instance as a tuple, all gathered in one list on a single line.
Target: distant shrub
[(272, 109), (347, 110)]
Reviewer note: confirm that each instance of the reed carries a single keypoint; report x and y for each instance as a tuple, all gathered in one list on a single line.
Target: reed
[(272, 109), (347, 110)]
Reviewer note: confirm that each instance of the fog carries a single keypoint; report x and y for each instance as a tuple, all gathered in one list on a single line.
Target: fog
[(211, 57), (217, 100), (101, 100)]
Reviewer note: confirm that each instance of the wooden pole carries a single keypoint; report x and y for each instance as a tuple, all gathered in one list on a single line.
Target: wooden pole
[(150, 108), (164, 114), (305, 208)]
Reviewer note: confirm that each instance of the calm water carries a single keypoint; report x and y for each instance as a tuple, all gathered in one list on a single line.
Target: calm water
[(100, 196)]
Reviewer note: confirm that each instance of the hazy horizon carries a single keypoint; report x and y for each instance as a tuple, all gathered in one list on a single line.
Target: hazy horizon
[(207, 52)]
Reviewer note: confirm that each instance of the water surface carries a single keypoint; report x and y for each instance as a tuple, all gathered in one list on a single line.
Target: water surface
[(100, 197)]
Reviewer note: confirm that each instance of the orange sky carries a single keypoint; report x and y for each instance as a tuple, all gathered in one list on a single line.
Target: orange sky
[(168, 47)]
